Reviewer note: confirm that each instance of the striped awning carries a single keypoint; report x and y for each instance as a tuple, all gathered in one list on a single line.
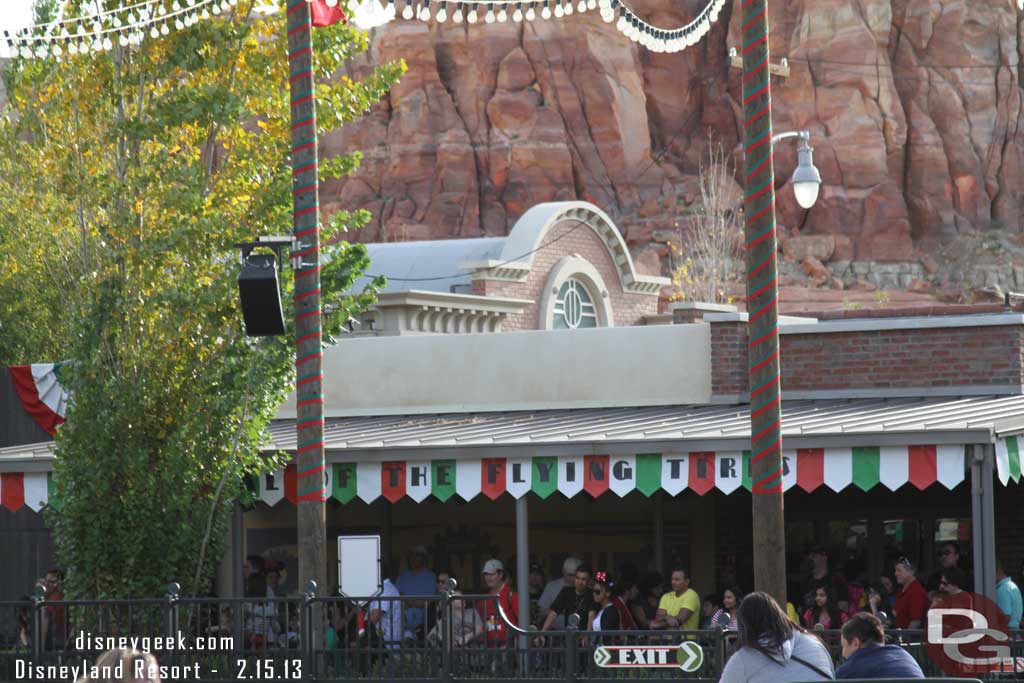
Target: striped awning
[(700, 472)]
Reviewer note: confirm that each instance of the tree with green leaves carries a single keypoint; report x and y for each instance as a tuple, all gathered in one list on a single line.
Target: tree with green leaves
[(125, 179)]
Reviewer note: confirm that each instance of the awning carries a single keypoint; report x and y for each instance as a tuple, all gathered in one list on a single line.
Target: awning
[(596, 475)]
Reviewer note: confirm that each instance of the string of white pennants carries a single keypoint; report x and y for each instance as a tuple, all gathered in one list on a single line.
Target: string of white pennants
[(807, 469)]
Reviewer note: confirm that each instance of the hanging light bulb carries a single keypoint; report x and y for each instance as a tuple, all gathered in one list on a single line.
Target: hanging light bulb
[(471, 17), (116, 21), (205, 14), (531, 13), (41, 52), (407, 11), (215, 9), (160, 10), (164, 30), (424, 13), (72, 48), (582, 6), (458, 15), (179, 24), (83, 48), (502, 15), (57, 51), (517, 16), (489, 17), (442, 15), (545, 12), (608, 14), (591, 4), (122, 40), (176, 6), (559, 11), (567, 7), (107, 44), (154, 32)]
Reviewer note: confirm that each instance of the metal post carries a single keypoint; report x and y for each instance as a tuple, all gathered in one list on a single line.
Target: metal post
[(308, 629), (570, 649), (38, 599), (523, 571), (983, 519), (309, 454), (762, 307)]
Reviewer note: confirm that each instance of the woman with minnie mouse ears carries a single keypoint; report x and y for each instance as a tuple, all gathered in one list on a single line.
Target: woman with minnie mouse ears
[(604, 616)]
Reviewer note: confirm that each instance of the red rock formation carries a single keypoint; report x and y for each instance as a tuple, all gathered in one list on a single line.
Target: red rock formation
[(914, 108)]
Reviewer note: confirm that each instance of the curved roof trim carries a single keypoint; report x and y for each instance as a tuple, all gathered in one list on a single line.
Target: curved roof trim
[(529, 231)]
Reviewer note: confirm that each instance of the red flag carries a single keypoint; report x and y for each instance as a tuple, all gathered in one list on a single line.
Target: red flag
[(810, 468), (322, 15), (12, 490), (702, 471), (392, 480), (492, 477), (922, 466), (595, 474), (291, 485)]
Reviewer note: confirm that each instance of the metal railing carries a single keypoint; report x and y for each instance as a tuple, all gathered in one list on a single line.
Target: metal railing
[(447, 637)]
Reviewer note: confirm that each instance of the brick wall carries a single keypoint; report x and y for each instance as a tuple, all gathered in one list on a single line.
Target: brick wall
[(572, 238), (896, 359)]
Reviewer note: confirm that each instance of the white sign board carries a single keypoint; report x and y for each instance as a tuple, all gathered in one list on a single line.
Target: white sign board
[(359, 566)]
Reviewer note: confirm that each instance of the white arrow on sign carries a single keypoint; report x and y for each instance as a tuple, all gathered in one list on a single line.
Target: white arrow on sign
[(602, 657), (691, 656)]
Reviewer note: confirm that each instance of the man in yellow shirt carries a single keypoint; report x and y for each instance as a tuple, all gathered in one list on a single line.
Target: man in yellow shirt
[(680, 607)]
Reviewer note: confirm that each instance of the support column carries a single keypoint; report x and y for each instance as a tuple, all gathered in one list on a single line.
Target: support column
[(659, 532), (983, 519), (762, 307), (523, 562)]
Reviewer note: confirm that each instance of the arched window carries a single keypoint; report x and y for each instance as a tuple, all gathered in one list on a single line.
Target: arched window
[(574, 307)]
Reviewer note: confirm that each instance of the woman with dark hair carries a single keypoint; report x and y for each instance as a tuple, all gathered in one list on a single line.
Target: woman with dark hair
[(724, 619), (878, 604), (825, 615), (773, 649), (645, 607), (604, 616)]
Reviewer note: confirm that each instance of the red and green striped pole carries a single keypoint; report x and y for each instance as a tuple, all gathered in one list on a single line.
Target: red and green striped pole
[(312, 493), (762, 306)]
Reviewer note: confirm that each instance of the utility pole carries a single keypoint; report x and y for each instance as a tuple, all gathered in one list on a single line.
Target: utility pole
[(309, 407), (762, 306)]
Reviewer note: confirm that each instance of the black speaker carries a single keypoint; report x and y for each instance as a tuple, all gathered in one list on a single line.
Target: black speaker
[(261, 296)]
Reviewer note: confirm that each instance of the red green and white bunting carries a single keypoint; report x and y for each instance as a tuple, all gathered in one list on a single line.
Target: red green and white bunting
[(42, 394), (1008, 460), (32, 489), (597, 475)]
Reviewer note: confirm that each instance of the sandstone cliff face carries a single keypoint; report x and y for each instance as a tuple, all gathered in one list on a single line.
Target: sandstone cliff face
[(914, 107)]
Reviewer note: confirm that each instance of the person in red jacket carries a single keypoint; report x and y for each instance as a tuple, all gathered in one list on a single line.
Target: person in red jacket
[(912, 600), (494, 626)]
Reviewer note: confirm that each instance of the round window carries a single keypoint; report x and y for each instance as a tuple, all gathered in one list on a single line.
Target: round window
[(574, 307)]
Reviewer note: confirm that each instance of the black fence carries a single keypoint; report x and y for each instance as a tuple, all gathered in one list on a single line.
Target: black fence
[(310, 638)]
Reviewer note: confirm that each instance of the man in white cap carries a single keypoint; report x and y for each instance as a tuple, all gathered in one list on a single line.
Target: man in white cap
[(555, 587), (494, 625)]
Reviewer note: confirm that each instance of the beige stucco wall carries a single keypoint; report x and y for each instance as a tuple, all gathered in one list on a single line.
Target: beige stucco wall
[(605, 367)]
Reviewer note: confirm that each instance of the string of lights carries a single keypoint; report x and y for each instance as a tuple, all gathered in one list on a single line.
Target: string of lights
[(128, 25), (369, 14)]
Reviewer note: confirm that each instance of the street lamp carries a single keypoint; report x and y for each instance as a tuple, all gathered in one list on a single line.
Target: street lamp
[(806, 178)]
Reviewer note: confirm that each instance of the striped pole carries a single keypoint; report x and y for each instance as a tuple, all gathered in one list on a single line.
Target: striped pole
[(310, 469), (762, 307)]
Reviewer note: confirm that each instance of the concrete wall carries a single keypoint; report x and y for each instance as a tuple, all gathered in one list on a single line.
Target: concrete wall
[(605, 367)]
